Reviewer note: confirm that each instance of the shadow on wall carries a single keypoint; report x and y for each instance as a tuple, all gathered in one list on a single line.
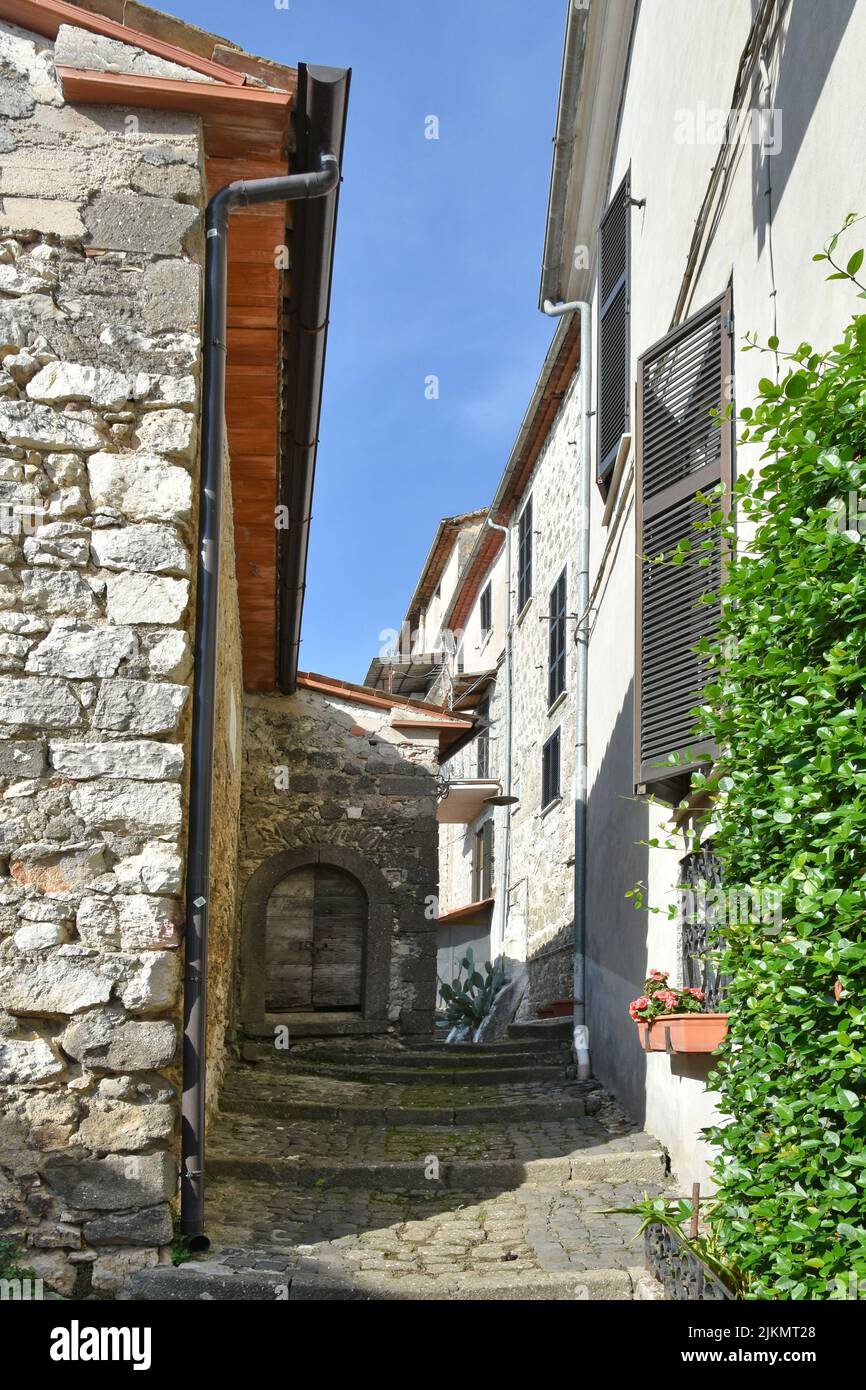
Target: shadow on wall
[(809, 47), (617, 961)]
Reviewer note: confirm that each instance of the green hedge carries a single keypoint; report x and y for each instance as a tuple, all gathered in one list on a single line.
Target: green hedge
[(787, 706)]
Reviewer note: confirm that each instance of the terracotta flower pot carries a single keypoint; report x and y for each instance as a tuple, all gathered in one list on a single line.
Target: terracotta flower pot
[(651, 1036), (692, 1032)]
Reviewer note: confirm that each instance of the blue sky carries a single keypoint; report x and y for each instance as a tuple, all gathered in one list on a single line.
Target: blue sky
[(436, 273)]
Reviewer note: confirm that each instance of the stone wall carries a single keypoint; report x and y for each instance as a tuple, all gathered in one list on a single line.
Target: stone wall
[(100, 252), (323, 771), (541, 900)]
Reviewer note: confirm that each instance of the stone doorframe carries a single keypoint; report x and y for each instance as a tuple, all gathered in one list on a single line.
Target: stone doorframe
[(377, 945)]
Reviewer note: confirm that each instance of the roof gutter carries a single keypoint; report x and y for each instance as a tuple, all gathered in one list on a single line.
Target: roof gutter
[(571, 76), (315, 185), (321, 123)]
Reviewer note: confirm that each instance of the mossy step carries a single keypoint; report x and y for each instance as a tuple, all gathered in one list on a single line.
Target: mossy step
[(414, 1061), (541, 1028), (490, 1175), (403, 1076), (513, 1112)]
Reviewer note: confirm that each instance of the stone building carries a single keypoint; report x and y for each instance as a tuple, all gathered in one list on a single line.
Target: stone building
[(701, 158), (116, 126)]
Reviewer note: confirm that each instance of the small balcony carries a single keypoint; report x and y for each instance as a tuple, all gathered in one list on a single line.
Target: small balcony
[(462, 801)]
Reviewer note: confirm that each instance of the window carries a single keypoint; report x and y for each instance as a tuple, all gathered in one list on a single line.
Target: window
[(614, 294), (486, 609), (681, 450), (482, 862), (556, 641), (550, 790), (524, 557), (483, 741)]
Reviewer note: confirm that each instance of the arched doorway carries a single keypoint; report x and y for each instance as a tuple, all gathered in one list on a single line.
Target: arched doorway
[(315, 941), (255, 1013)]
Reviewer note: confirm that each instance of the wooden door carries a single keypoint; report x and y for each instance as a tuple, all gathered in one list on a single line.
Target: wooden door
[(316, 922)]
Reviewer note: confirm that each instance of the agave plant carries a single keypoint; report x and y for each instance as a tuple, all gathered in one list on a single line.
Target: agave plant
[(469, 999)]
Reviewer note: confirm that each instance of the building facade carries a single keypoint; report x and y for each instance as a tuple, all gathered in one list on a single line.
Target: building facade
[(696, 172)]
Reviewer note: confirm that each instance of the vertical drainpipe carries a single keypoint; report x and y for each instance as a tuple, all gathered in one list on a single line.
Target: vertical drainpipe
[(241, 193), (502, 906), (581, 1031)]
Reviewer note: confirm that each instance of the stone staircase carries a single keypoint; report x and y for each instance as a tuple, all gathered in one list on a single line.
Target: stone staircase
[(369, 1168)]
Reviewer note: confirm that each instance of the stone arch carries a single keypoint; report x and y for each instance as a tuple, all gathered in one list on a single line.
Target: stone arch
[(260, 885)]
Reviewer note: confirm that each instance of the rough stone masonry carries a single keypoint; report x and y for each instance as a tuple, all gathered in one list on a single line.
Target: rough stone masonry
[(100, 252)]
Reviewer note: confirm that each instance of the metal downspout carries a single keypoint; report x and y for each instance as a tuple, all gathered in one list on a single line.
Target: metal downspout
[(243, 192), (581, 1031), (502, 907)]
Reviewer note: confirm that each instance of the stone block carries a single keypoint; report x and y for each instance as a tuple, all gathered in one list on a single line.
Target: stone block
[(157, 869), (37, 702), (44, 215), (58, 543), (107, 1040), (113, 1183), (42, 427), (148, 1226), (58, 382), (141, 486), (130, 222), (147, 547), (129, 806), (146, 598), (169, 432), (47, 591), (24, 1063), (22, 758), (147, 922), (79, 649), (141, 707), (113, 1127), (138, 760), (54, 985)]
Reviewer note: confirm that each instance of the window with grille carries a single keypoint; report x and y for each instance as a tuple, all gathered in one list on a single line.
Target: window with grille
[(550, 773), (614, 294), (524, 557), (556, 641), (681, 450)]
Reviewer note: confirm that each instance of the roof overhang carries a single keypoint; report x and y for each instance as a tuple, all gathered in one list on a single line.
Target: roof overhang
[(594, 65), (464, 801)]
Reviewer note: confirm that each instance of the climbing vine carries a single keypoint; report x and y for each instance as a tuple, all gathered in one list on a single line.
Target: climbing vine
[(786, 706)]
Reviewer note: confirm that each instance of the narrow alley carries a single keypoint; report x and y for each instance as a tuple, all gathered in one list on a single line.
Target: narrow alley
[(365, 1168)]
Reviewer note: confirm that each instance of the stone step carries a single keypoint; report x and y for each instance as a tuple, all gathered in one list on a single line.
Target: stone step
[(212, 1281), (542, 1028), (536, 1046), (461, 1175), (566, 1150), (405, 1076), (421, 1060), (314, 1025), (514, 1112)]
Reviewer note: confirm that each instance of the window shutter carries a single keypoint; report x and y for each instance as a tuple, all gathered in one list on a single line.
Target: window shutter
[(681, 450), (524, 557), (556, 641), (614, 292)]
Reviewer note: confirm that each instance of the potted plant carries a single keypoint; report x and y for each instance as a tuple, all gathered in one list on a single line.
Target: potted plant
[(672, 1020)]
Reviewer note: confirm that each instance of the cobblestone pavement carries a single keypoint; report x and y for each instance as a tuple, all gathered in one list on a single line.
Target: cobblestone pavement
[(340, 1200)]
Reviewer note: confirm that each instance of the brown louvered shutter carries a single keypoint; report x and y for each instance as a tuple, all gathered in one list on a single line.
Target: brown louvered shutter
[(681, 450), (613, 329)]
